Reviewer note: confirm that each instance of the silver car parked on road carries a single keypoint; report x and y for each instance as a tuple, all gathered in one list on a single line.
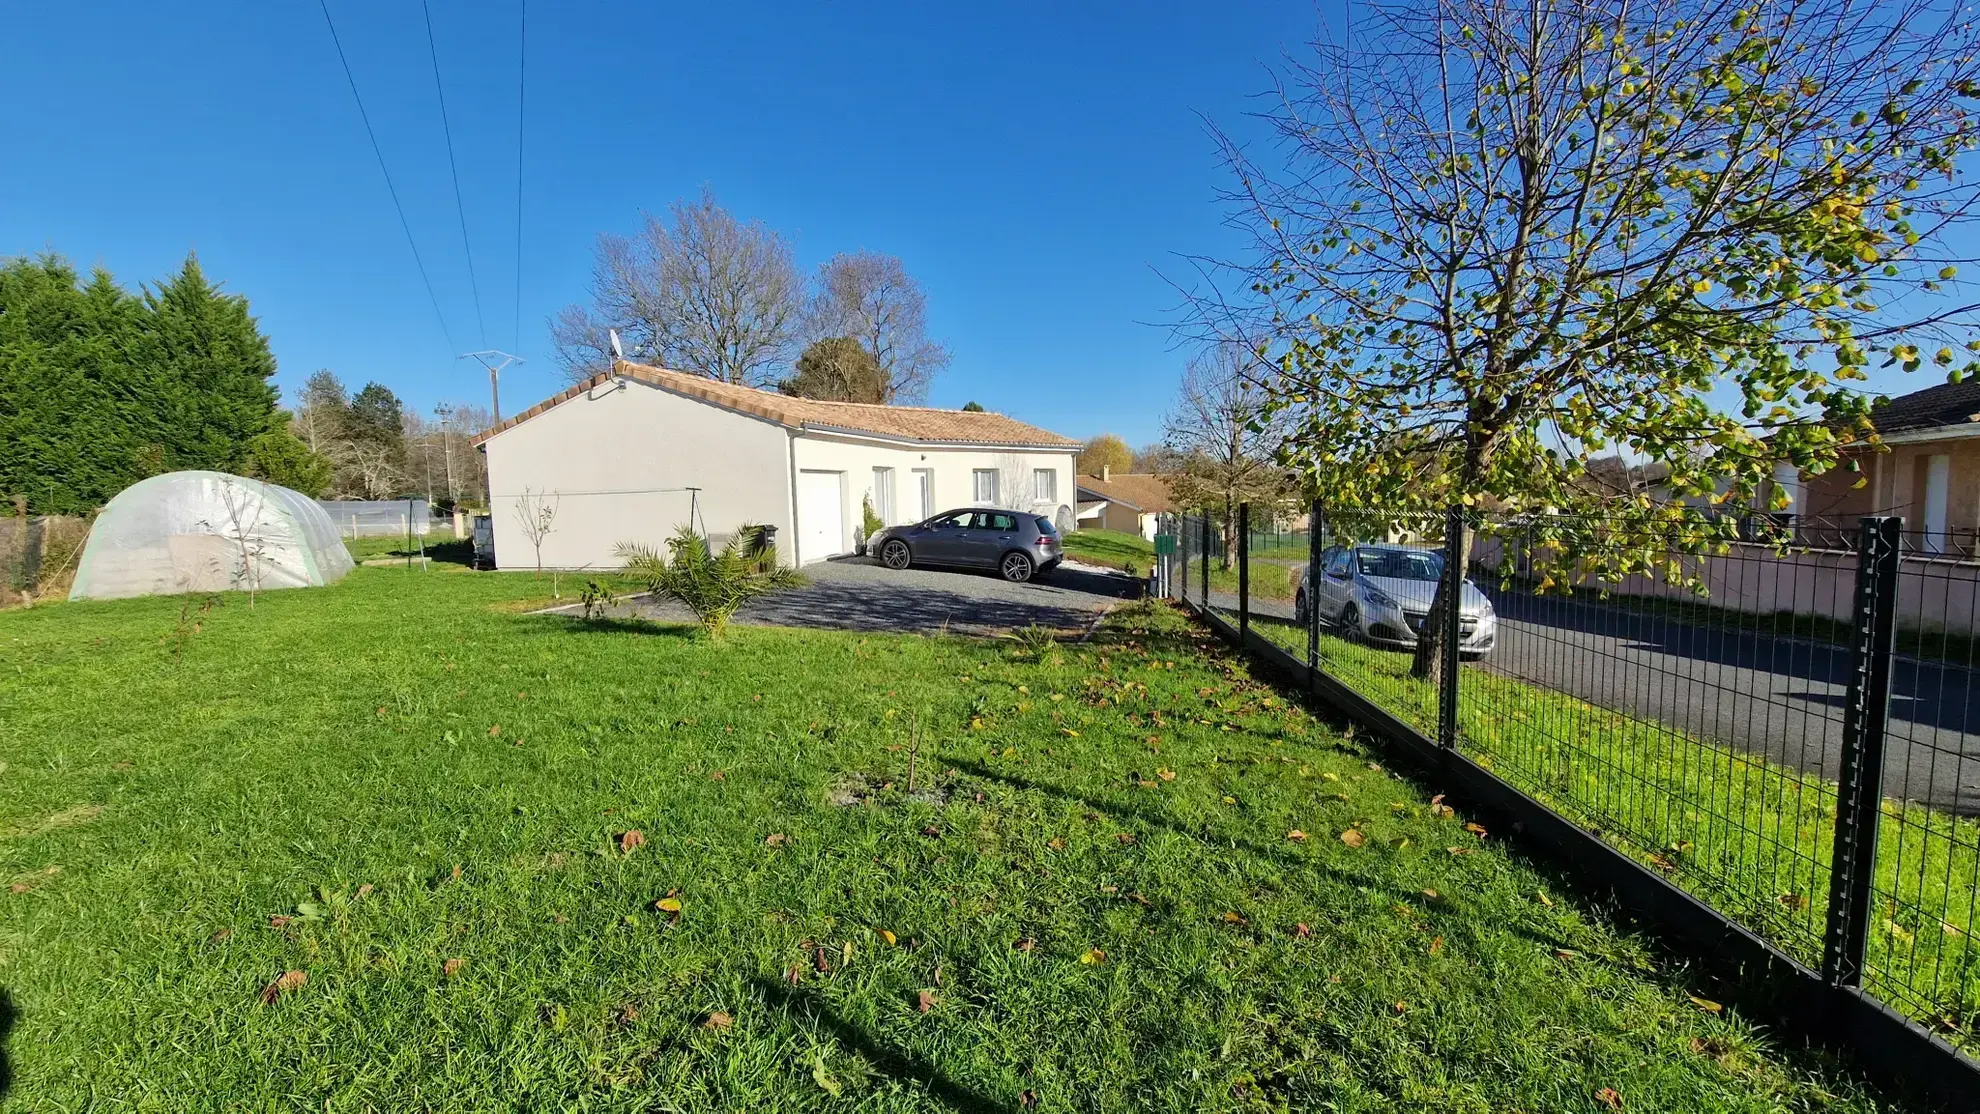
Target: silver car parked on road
[(1382, 594), (1017, 545)]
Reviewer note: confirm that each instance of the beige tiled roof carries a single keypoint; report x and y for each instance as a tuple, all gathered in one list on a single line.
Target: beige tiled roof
[(913, 423), (1145, 491)]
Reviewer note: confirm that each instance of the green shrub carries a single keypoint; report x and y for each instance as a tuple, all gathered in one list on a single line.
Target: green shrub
[(714, 584)]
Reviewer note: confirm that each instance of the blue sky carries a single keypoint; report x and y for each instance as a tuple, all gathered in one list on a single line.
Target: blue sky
[(1038, 167)]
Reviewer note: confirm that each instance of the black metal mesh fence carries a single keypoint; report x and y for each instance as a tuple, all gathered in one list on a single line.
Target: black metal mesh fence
[(1694, 697)]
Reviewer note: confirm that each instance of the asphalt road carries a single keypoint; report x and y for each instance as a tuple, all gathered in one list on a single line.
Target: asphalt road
[(857, 594), (1778, 697)]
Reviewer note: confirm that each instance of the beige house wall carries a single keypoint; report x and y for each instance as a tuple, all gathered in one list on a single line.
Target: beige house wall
[(953, 471), (616, 462)]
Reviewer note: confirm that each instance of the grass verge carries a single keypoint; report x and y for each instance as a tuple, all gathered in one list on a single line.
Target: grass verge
[(1752, 838)]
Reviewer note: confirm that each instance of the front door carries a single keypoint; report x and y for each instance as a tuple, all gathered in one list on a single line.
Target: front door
[(821, 516)]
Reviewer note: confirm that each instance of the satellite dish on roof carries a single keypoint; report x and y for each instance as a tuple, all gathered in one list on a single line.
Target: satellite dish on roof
[(618, 353)]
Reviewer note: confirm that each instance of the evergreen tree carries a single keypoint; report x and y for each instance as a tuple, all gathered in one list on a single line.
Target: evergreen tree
[(280, 457), (218, 366), (100, 388), (837, 369)]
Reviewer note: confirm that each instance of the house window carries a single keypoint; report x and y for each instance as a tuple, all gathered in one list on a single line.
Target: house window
[(1045, 485), (883, 495), (984, 485)]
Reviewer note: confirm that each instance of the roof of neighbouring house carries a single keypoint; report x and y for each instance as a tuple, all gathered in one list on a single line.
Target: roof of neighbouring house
[(1144, 491), (911, 423), (1947, 404)]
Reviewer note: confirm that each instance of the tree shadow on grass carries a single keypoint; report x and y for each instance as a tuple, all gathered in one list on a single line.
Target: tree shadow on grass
[(893, 1061), (8, 1014), (578, 624), (1208, 837)]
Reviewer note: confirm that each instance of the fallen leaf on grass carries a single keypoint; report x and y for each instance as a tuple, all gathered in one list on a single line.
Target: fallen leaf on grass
[(1165, 773), (283, 984), (1401, 1007), (824, 1078), (1795, 902), (451, 968), (1302, 931), (1541, 895), (1899, 932), (1027, 1098), (1353, 837), (1436, 944), (364, 891), (1234, 918), (775, 839), (279, 920), (718, 1021), (1399, 842), (1475, 828), (718, 776), (1092, 956), (1025, 945), (630, 840), (1565, 953), (495, 730), (931, 831), (1296, 836), (1439, 809), (1458, 850), (1706, 1004), (1069, 732), (1608, 1097), (924, 1001), (1124, 837), (1056, 844), (887, 936), (668, 904)]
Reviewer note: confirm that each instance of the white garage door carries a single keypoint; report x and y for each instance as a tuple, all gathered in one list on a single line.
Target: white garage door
[(821, 516)]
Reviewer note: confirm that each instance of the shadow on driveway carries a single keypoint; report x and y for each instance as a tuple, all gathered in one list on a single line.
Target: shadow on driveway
[(856, 594)]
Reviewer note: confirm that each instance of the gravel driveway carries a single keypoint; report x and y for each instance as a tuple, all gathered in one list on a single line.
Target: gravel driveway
[(858, 594)]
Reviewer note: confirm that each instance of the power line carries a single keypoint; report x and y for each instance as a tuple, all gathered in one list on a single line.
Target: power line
[(522, 88), (389, 187), (460, 209)]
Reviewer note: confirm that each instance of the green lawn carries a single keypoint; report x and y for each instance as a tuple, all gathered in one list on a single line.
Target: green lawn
[(1751, 838), (413, 795), (1271, 578)]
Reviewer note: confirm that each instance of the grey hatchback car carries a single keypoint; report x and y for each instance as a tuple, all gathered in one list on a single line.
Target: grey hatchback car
[(1018, 545), (1382, 594)]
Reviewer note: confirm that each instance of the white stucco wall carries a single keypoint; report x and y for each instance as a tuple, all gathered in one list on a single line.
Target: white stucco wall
[(603, 456), (953, 470)]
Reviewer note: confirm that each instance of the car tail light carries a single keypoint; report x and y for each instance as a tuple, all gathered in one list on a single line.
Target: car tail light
[(1044, 541)]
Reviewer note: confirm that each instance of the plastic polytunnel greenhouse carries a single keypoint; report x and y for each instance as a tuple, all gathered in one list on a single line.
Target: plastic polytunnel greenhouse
[(207, 532)]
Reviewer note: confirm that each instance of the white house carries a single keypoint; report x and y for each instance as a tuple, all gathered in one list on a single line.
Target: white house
[(630, 454)]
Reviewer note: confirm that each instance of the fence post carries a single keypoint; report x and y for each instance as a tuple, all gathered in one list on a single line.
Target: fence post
[(1866, 712), (1447, 688), (1182, 550), (1206, 560), (1244, 571), (1316, 521)]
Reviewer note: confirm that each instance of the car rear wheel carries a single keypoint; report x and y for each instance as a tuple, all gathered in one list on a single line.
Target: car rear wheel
[(895, 554), (1299, 607), (1015, 567)]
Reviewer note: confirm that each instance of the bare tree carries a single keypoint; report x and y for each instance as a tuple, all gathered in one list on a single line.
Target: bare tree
[(536, 513), (374, 469), (242, 511), (871, 298), (1226, 436), (700, 292)]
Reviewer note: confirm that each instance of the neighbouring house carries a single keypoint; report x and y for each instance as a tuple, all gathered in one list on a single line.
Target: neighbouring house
[(1125, 501), (630, 454), (1930, 475)]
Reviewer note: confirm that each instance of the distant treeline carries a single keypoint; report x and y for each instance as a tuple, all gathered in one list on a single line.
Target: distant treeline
[(101, 387)]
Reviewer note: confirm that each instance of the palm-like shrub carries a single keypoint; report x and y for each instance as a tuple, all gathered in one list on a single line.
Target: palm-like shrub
[(712, 584)]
